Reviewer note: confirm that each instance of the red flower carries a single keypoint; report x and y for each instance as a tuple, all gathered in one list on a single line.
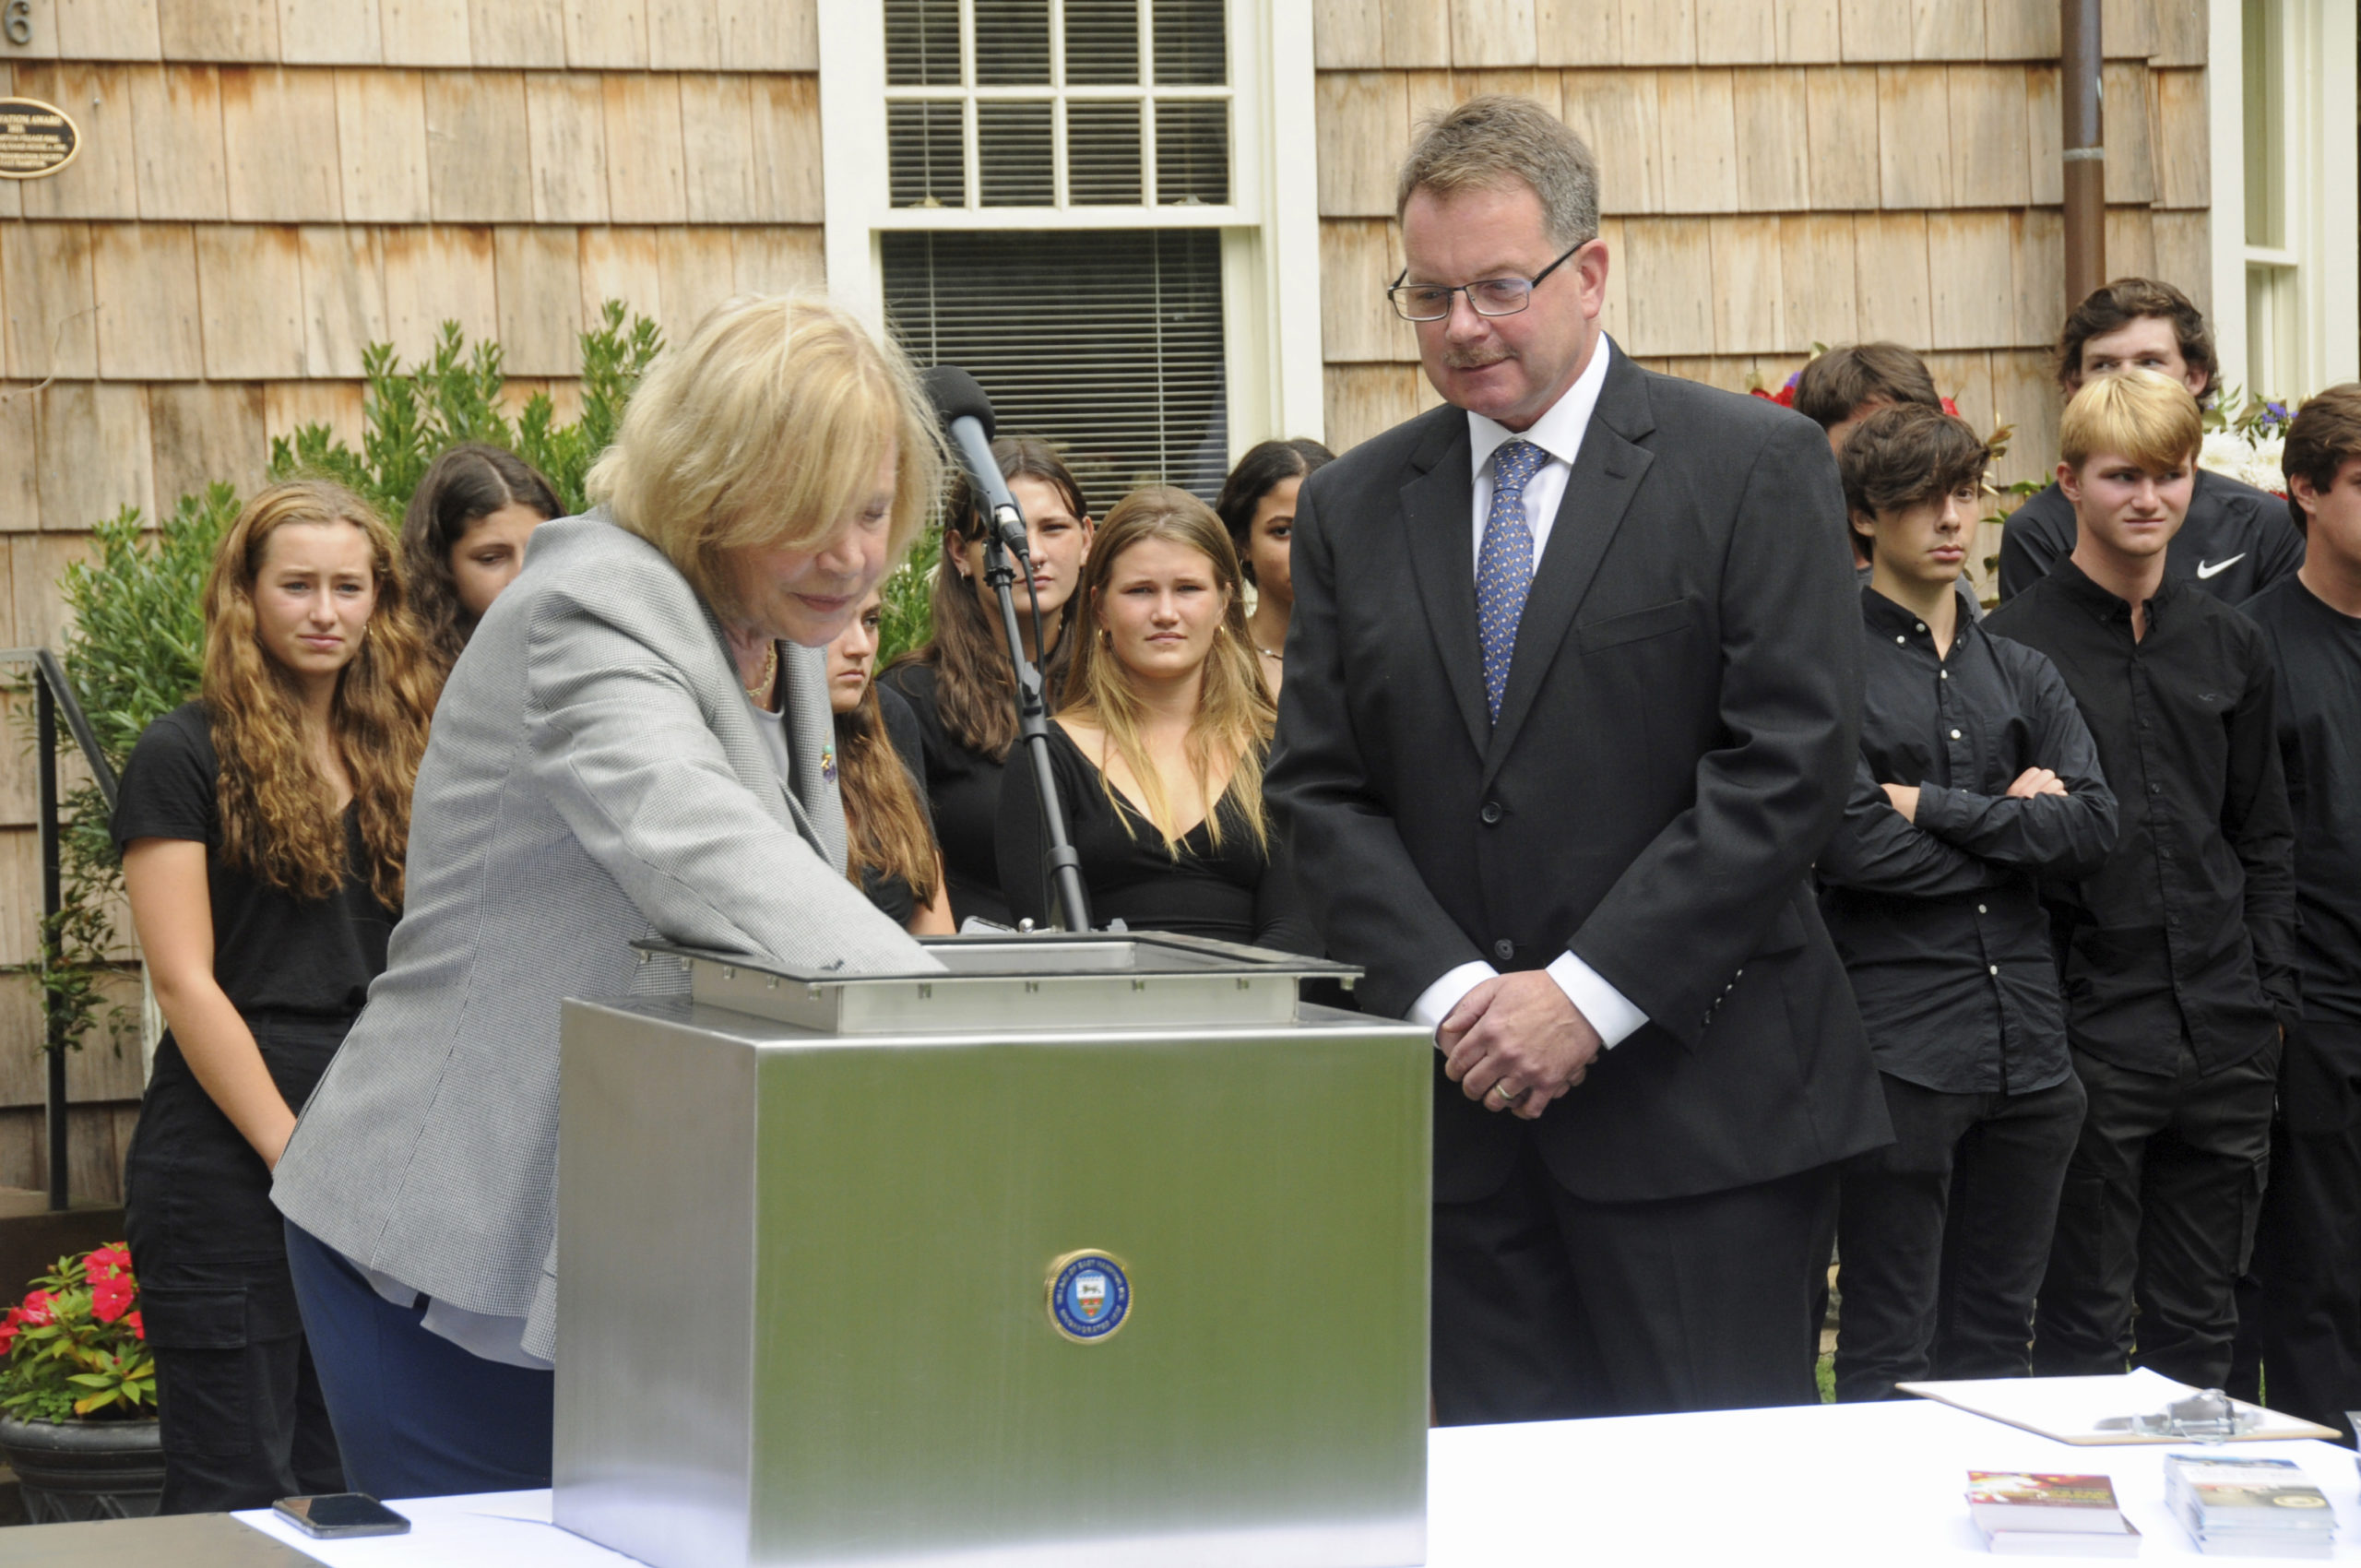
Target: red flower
[(35, 1309), (8, 1327), (111, 1298), (103, 1262), (138, 1329)]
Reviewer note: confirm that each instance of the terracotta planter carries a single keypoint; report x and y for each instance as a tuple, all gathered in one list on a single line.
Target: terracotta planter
[(75, 1470)]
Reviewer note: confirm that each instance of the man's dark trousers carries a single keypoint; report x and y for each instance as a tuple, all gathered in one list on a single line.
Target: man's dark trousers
[(1630, 1332), (2158, 1211), (2308, 1248), (1945, 1233)]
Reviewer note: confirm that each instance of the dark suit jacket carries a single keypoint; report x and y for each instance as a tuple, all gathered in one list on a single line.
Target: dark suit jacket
[(1674, 747)]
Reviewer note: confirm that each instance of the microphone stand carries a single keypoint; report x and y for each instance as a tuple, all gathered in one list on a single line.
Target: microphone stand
[(1033, 734)]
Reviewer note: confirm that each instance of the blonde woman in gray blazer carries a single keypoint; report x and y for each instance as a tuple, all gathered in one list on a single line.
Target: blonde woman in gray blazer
[(635, 743)]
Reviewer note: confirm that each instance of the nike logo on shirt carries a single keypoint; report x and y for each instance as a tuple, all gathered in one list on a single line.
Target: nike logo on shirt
[(2208, 568)]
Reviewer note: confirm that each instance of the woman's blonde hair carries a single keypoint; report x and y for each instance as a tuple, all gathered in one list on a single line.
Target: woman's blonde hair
[(1234, 711), (279, 820), (764, 431), (2140, 415)]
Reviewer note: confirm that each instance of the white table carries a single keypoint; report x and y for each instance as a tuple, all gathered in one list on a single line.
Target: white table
[(1875, 1485)]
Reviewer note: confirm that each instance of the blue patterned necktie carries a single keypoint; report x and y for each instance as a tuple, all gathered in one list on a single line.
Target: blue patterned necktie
[(1504, 564)]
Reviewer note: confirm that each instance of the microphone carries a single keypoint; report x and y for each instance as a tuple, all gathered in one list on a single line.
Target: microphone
[(967, 414)]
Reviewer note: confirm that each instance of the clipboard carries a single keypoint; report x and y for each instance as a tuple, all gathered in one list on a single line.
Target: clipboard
[(2068, 1409)]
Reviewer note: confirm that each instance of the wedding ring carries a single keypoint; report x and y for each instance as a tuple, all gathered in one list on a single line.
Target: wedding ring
[(1501, 1089)]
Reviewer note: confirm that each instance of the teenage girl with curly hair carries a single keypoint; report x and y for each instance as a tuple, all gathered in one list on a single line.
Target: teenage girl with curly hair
[(262, 829)]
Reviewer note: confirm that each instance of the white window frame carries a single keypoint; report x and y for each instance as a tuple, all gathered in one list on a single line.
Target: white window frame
[(1270, 229), (2318, 270)]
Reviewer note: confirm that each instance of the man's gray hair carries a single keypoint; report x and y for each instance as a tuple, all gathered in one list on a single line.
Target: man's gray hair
[(1490, 142)]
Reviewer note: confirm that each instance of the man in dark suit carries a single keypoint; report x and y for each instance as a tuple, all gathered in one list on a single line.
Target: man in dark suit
[(1572, 698), (2237, 540)]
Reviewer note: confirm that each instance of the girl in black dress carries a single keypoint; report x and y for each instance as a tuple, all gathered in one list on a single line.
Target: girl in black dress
[(262, 828), (1158, 751), (960, 686), (879, 754), (463, 539), (1257, 505)]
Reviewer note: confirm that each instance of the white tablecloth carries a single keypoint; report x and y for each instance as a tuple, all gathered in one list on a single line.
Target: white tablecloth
[(1875, 1485)]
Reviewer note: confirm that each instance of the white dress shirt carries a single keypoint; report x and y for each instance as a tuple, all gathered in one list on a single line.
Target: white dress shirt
[(1558, 433)]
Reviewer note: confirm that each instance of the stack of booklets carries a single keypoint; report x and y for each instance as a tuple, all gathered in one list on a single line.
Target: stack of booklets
[(2050, 1516), (2249, 1507)]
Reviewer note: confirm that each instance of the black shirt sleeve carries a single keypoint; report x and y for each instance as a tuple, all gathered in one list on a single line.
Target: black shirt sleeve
[(168, 788), (2261, 830), (2029, 542), (2066, 836), (2282, 544), (1877, 850)]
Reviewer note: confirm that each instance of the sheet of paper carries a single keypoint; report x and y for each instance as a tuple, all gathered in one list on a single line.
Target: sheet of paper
[(2069, 1409)]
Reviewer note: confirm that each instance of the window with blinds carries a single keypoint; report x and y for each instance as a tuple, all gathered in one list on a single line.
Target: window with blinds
[(1107, 342), (1057, 103)]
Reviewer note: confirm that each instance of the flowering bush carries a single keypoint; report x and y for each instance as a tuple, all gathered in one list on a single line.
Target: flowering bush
[(2244, 438), (76, 1347)]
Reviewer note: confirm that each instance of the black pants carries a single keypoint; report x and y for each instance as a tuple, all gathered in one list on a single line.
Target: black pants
[(1944, 1233), (2306, 1275), (2157, 1216), (243, 1419), (1548, 1307)]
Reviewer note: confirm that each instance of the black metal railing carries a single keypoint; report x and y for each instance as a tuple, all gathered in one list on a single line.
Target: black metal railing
[(54, 694)]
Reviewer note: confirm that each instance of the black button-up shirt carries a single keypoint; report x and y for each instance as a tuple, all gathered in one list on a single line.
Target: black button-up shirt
[(2188, 928), (1938, 916), (2317, 650)]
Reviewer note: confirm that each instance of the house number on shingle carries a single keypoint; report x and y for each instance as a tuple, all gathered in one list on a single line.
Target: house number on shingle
[(20, 21)]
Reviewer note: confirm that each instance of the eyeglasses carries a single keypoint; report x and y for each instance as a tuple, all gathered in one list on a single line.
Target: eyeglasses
[(1489, 296)]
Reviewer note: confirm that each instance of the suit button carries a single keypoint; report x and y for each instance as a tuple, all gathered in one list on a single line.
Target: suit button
[(1491, 812), (1504, 950)]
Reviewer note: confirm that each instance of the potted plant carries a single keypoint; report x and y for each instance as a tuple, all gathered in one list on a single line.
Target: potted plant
[(77, 1394)]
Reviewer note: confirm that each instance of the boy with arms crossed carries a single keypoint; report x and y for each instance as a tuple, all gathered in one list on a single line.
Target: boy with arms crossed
[(2307, 1250), (2177, 956), (1976, 775)]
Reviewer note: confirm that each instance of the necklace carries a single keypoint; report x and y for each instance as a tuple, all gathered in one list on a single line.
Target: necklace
[(1270, 653), (760, 687)]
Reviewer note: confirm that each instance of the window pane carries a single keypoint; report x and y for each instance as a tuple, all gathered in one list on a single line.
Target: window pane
[(1102, 153), (2264, 30), (1107, 342), (923, 155), (922, 42), (1191, 151), (1012, 42), (1191, 50), (1013, 156), (1102, 43)]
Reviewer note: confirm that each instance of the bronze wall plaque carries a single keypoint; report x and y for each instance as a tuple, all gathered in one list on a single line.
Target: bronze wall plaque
[(36, 138)]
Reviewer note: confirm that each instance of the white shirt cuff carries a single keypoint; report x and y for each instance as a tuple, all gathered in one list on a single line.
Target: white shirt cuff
[(1609, 1010), (1435, 1003)]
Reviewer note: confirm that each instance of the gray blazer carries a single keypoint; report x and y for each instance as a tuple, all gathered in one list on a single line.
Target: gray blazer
[(595, 775)]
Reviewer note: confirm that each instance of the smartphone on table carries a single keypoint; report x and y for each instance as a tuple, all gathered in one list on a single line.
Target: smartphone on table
[(338, 1514)]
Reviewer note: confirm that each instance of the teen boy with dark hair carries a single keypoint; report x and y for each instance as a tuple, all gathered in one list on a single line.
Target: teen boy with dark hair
[(1844, 386), (2177, 956), (2307, 1250), (1976, 775), (2237, 540)]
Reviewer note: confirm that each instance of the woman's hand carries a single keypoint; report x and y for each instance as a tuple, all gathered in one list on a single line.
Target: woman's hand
[(172, 909)]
